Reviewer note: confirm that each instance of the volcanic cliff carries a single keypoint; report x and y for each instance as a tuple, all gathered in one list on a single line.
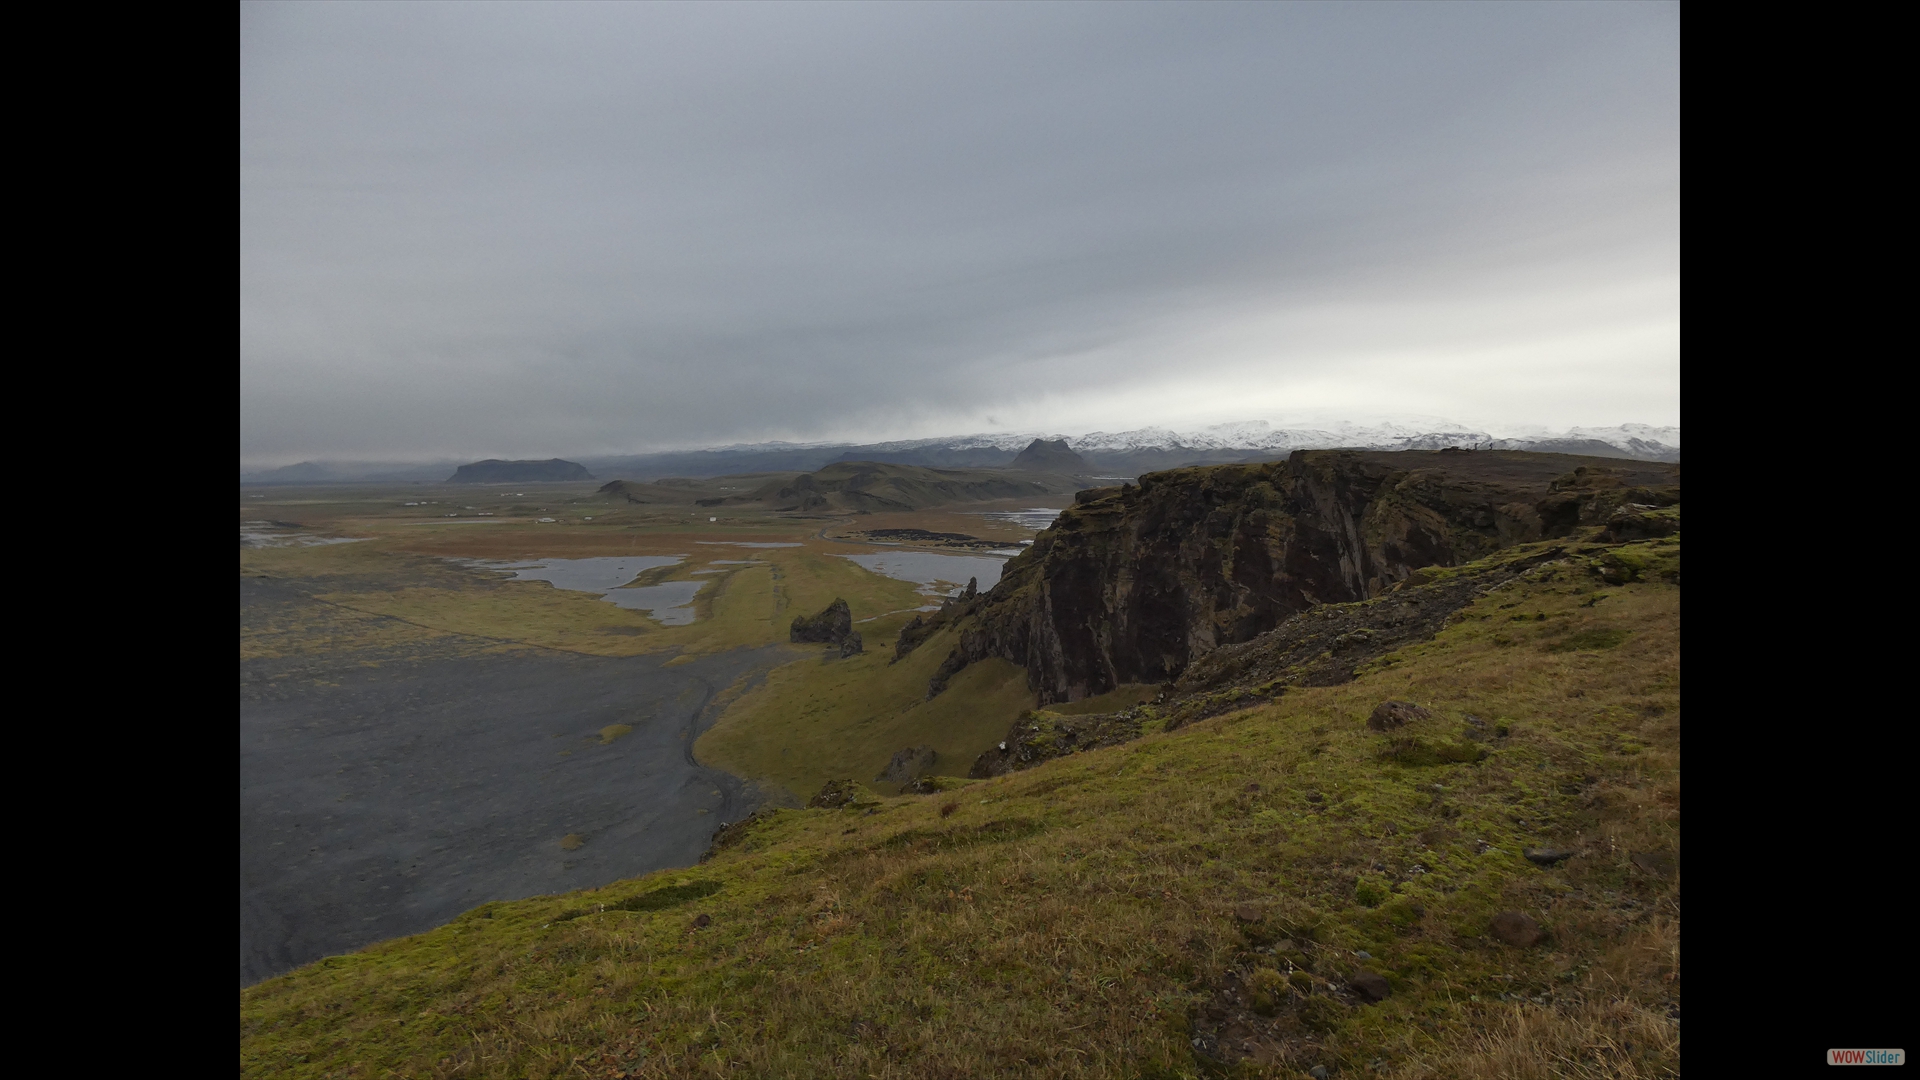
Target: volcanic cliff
[(1135, 583)]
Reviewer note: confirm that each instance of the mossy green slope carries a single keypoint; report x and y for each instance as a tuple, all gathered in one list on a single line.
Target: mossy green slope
[(823, 718), (1186, 904)]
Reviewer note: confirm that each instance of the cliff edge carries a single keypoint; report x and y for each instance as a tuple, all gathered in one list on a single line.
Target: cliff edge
[(1136, 582)]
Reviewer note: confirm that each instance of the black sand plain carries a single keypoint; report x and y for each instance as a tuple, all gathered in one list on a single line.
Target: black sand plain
[(386, 789)]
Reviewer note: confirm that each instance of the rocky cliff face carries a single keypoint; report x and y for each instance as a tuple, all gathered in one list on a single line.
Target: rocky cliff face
[(1136, 583)]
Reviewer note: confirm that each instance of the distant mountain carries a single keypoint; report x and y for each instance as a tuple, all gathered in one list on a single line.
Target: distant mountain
[(1050, 457), (351, 472), (1639, 441), (1123, 453), (495, 471), (1130, 453), (881, 486)]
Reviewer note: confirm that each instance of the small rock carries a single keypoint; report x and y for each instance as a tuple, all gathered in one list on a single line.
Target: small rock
[(1546, 856), (1392, 714), (1364, 954), (1285, 945), (1319, 1072), (1516, 929), (1370, 985), (1247, 913), (836, 794), (701, 922), (1660, 866)]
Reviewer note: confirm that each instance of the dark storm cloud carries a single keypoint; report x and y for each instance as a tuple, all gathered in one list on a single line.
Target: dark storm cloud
[(556, 228)]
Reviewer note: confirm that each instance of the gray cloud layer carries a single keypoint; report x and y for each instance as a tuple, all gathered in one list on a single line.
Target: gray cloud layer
[(577, 228)]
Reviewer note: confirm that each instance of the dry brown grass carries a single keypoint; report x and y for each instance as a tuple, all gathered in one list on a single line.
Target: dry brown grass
[(1597, 1040)]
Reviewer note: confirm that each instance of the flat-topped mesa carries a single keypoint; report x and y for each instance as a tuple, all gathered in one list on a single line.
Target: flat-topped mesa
[(495, 471), (1050, 457), (1136, 583)]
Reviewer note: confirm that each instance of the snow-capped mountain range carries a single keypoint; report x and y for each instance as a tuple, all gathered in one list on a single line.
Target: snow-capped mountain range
[(1633, 440), (1117, 453)]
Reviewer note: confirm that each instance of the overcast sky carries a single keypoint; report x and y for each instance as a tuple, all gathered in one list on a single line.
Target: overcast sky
[(500, 229)]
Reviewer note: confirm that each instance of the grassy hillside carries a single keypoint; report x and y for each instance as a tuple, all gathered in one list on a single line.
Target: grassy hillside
[(813, 722), (1206, 901)]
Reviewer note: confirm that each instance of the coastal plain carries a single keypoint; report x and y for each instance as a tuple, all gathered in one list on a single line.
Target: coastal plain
[(1407, 805), (420, 733)]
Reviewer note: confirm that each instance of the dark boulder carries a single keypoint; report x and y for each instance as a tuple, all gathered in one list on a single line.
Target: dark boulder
[(1392, 714), (1660, 866), (1370, 986), (851, 645), (1516, 929)]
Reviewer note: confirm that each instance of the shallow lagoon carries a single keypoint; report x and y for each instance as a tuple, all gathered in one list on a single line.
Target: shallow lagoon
[(937, 575), (262, 534), (1037, 518), (670, 603)]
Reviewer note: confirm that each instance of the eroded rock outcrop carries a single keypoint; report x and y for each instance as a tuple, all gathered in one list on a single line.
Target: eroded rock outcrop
[(907, 764), (831, 626), (1137, 582), (923, 627)]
